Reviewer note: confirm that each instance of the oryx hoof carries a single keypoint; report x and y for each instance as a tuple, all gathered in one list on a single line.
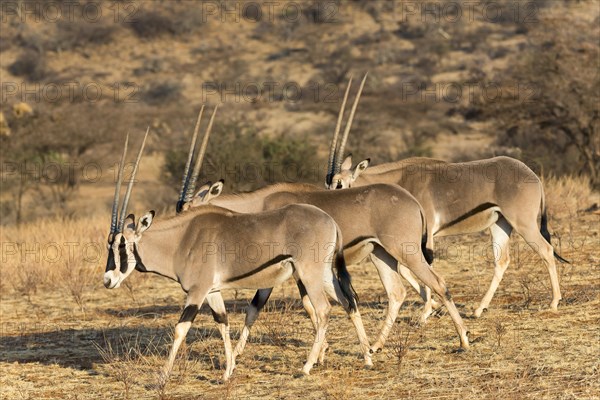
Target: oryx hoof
[(479, 312), (302, 374), (375, 349)]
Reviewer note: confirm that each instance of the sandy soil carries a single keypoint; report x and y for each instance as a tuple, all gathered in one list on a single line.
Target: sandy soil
[(52, 348)]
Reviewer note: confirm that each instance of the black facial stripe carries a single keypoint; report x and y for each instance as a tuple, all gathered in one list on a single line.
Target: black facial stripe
[(189, 313), (110, 263), (139, 265), (123, 256)]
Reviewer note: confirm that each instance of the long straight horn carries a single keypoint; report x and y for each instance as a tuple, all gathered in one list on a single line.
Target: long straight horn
[(130, 185), (186, 172), (332, 148), (340, 152), (115, 206), (196, 173)]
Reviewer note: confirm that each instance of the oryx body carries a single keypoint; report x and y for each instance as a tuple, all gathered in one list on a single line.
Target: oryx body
[(499, 193), (211, 248), (383, 222)]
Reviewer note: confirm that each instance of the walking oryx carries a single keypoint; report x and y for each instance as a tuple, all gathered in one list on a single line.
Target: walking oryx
[(195, 250), (369, 228), (499, 193)]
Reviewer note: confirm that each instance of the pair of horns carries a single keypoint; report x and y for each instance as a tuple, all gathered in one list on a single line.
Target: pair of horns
[(188, 184), (114, 226), (336, 153)]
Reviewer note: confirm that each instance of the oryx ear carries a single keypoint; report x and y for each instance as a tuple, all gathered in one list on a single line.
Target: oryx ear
[(144, 223), (129, 222), (347, 164), (360, 168), (215, 190), (203, 191)]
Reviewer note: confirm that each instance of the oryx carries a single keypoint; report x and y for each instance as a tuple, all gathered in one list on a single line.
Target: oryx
[(195, 249), (499, 193), (368, 227)]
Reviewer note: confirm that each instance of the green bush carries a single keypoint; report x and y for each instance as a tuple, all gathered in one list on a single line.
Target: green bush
[(247, 160)]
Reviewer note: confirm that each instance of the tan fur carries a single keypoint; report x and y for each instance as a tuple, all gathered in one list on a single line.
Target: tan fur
[(369, 228), (499, 193)]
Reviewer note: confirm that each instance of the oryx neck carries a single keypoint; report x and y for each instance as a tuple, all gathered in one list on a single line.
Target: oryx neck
[(157, 252)]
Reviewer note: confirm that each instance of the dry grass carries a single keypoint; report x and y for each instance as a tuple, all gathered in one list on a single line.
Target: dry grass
[(50, 349)]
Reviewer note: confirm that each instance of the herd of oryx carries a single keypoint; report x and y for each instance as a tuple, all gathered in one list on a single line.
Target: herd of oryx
[(388, 213)]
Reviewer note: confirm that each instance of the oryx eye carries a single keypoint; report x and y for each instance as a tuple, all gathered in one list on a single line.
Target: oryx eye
[(121, 245)]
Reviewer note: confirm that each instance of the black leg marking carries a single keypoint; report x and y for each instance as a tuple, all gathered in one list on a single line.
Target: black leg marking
[(448, 295), (260, 298), (219, 318), (189, 313)]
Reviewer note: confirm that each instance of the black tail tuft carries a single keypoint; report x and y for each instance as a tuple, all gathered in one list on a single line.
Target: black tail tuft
[(544, 227), (345, 281), (546, 235), (428, 253), (559, 258)]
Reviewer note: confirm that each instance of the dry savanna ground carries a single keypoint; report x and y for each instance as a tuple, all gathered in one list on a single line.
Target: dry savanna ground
[(65, 336)]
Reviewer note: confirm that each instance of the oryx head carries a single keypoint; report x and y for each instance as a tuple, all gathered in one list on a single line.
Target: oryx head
[(340, 174), (207, 191), (347, 175), (124, 233)]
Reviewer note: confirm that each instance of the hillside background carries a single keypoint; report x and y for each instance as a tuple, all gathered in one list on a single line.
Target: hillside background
[(446, 80)]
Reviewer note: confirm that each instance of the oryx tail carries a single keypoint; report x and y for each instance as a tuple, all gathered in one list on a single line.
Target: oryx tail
[(544, 228), (343, 275)]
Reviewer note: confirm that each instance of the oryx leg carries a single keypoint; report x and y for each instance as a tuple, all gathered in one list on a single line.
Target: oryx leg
[(333, 289), (217, 306), (423, 291), (430, 303), (418, 266), (312, 314), (537, 242), (252, 312), (194, 301), (386, 267), (500, 232), (318, 299)]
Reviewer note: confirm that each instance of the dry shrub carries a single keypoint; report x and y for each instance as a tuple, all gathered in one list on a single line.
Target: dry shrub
[(162, 92), (275, 322), (80, 34), (499, 332), (567, 195), (36, 255), (31, 64), (123, 356), (76, 280), (149, 24), (403, 337), (28, 278)]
